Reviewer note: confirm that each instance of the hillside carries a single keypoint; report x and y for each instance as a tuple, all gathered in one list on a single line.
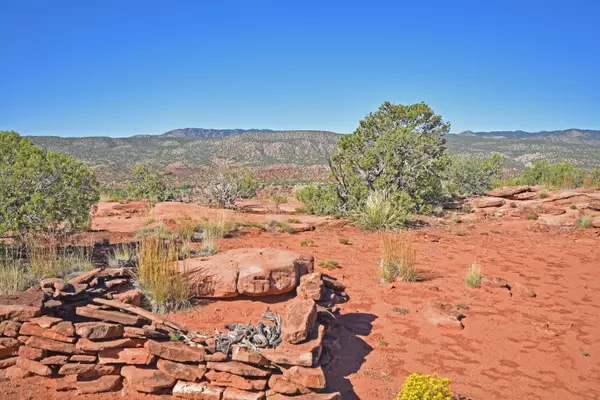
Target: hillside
[(572, 136), (288, 155)]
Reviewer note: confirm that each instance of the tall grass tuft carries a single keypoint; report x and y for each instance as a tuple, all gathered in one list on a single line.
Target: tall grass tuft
[(398, 259), (473, 278), (219, 227), (45, 257), (382, 211), (120, 255), (186, 228), (159, 277), (13, 274)]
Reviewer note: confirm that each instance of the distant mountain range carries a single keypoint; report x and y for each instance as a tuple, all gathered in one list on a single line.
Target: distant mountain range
[(573, 136), (202, 132)]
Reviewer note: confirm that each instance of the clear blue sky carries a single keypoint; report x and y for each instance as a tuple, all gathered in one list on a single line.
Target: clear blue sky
[(123, 67)]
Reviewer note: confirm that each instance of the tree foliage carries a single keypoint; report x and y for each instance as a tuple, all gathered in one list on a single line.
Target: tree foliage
[(229, 184), (397, 148), (466, 176), (146, 184), (40, 189), (562, 174)]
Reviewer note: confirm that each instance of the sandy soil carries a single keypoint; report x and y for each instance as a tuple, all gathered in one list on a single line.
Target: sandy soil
[(512, 347)]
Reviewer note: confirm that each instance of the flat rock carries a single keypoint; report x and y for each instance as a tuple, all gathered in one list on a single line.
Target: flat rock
[(303, 354), (86, 345), (313, 378), (443, 315), (55, 360), (299, 318), (197, 391), (485, 202), (553, 211), (595, 222), (10, 328), (175, 351), (75, 368), (279, 384), (21, 306), (508, 191), (253, 272), (31, 353), (494, 282), (146, 331), (237, 368), (132, 297), (130, 356), (65, 328), (14, 372), (45, 321), (111, 316), (84, 358), (146, 380), (219, 378), (183, 372), (51, 345), (309, 396), (525, 196), (243, 354), (103, 384), (594, 205), (237, 394), (522, 290), (29, 329), (311, 287), (99, 330), (34, 367)]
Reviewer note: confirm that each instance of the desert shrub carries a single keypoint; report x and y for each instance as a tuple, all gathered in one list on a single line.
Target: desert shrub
[(146, 183), (595, 177), (398, 149), (209, 243), (293, 220), (281, 226), (229, 184), (120, 255), (562, 174), (13, 273), (473, 278), (584, 221), (186, 228), (307, 243), (320, 200), (42, 189), (158, 277), (383, 210), (331, 264), (532, 216), (279, 199), (573, 207), (156, 230), (398, 259), (543, 194), (425, 387), (466, 176), (345, 241), (218, 227)]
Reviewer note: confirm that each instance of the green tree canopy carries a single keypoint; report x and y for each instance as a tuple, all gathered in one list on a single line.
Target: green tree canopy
[(146, 183), (400, 149), (40, 189)]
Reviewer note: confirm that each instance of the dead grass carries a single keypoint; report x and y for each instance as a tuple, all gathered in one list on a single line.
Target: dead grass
[(159, 278), (345, 241), (186, 228), (398, 259), (473, 278), (121, 254), (331, 264), (307, 243), (219, 227)]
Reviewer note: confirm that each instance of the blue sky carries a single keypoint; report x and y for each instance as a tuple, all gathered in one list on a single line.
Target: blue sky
[(124, 67)]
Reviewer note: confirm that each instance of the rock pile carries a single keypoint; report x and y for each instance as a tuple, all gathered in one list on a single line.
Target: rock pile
[(94, 338)]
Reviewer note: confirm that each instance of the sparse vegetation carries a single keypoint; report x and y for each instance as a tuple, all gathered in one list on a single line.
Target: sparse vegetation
[(425, 387), (345, 241), (543, 194), (383, 210), (293, 220), (219, 227), (227, 184), (331, 264), (462, 306), (473, 278), (398, 259), (279, 199), (159, 277), (400, 310), (121, 254), (573, 207), (584, 221), (467, 176), (532, 216), (307, 243), (186, 228)]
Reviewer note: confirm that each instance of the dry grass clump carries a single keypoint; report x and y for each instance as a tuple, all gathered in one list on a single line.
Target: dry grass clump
[(186, 228), (13, 274), (219, 227), (398, 259), (159, 278), (331, 264), (307, 243), (121, 254), (473, 278), (345, 241), (584, 221)]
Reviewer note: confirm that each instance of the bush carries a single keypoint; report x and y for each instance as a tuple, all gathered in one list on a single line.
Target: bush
[(229, 184), (42, 189), (398, 259), (217, 228), (467, 176), (331, 264), (584, 221), (473, 278), (345, 241), (385, 211), (186, 228), (562, 174), (321, 200), (120, 255), (425, 387), (146, 184), (396, 149), (307, 243)]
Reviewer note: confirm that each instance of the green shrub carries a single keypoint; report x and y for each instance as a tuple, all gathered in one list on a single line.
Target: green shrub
[(425, 387), (41, 190), (473, 278), (398, 149), (382, 210), (320, 200), (331, 264), (532, 216), (344, 241), (229, 184), (146, 184), (584, 221), (467, 176), (562, 174), (307, 243), (543, 194), (279, 199)]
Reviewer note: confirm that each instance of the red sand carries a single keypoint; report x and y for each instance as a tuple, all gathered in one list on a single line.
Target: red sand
[(510, 348)]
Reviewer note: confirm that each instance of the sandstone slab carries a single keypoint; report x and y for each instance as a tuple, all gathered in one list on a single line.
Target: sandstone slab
[(103, 384), (51, 345), (29, 329), (146, 380), (485, 202), (197, 391), (298, 320), (237, 394), (111, 316), (99, 330), (183, 372), (313, 378), (130, 356), (237, 368), (443, 315), (227, 379), (175, 351), (34, 367)]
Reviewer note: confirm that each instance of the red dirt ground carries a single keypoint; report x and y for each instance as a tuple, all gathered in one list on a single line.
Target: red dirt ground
[(547, 347)]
